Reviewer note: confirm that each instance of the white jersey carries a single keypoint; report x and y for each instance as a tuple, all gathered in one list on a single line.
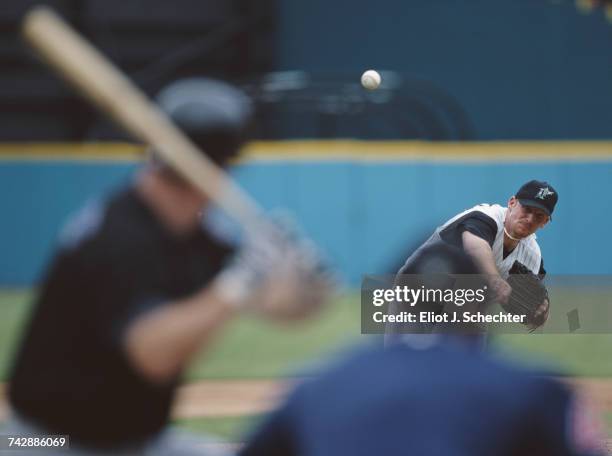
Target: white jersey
[(527, 251)]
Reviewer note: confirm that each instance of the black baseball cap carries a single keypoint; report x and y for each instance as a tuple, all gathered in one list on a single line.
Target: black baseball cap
[(538, 194), (215, 115)]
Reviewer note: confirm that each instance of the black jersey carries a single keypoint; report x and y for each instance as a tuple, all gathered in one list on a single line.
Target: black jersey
[(115, 262)]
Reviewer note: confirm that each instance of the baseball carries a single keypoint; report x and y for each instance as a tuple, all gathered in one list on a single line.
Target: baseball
[(370, 79)]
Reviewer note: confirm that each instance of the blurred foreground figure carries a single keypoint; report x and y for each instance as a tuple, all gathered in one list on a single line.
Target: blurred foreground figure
[(138, 286), (428, 394)]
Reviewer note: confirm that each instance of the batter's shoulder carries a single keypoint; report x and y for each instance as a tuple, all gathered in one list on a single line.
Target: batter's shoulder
[(107, 228)]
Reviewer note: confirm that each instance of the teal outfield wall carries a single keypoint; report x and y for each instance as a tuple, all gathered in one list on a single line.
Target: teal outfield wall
[(365, 214)]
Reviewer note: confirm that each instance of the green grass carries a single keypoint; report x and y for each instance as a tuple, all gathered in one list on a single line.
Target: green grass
[(251, 348), (231, 429), (588, 355), (608, 422), (14, 306)]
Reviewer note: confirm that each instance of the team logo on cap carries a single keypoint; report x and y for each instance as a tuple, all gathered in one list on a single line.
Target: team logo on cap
[(543, 193)]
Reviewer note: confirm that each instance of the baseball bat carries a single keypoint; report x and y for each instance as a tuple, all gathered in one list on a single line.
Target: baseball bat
[(95, 77)]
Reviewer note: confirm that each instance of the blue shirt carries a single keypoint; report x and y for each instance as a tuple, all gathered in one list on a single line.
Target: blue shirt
[(442, 400)]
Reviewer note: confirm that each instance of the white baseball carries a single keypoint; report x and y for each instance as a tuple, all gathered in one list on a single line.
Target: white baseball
[(370, 79)]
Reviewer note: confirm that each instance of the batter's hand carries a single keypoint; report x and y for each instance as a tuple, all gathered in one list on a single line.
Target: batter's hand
[(301, 282), (276, 274), (295, 287)]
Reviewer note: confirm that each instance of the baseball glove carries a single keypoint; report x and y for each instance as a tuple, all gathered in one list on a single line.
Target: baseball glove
[(528, 294)]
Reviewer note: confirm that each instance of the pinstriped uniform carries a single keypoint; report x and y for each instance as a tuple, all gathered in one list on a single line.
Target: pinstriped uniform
[(527, 251)]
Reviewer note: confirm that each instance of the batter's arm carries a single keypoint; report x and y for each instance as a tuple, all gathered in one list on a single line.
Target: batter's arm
[(272, 278), (159, 343), (480, 251)]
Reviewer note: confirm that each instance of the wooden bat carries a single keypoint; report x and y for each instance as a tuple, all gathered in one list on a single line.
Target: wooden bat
[(82, 65)]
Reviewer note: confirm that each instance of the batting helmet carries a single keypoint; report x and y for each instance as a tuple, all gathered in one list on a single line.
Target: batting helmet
[(215, 115)]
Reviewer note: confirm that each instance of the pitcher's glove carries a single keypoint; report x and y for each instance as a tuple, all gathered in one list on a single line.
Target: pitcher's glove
[(527, 297)]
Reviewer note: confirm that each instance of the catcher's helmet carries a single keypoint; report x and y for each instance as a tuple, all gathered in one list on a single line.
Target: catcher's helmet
[(215, 115)]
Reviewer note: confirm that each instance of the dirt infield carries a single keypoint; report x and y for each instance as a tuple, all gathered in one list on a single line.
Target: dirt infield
[(247, 397), (222, 398), (215, 398)]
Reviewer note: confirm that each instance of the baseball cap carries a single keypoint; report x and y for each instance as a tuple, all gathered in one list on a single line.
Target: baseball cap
[(538, 194), (214, 114)]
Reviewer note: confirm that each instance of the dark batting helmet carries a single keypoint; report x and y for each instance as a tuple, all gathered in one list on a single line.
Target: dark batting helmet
[(215, 115)]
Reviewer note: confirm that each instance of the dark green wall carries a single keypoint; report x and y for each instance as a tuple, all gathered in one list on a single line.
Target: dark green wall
[(523, 69)]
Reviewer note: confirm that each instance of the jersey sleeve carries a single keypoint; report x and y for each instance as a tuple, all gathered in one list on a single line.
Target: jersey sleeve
[(476, 222)]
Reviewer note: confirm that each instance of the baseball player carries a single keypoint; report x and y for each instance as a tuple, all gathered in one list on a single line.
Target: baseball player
[(137, 286), (496, 237), (428, 395)]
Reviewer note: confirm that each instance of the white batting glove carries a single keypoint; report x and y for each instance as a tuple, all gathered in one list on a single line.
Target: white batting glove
[(247, 270), (277, 275), (298, 288)]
